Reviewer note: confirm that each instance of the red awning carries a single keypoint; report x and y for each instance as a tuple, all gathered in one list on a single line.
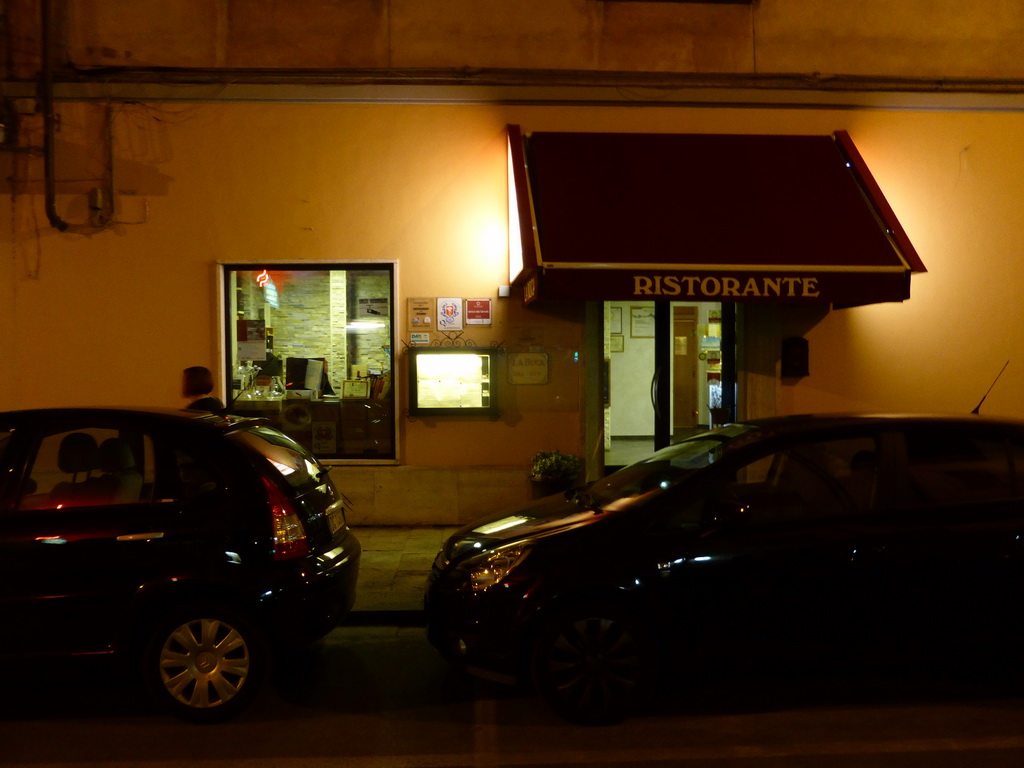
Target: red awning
[(705, 217)]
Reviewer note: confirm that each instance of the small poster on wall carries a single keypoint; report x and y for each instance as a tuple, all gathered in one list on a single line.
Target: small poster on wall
[(252, 340), (449, 314), (372, 309)]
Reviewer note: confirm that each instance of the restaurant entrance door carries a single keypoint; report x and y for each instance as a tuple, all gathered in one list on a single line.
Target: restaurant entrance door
[(665, 374)]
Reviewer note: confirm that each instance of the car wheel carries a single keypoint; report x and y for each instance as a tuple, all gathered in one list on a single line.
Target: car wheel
[(206, 663), (593, 663)]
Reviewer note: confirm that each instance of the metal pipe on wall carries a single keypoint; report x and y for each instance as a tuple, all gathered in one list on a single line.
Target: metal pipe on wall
[(101, 199), (46, 104)]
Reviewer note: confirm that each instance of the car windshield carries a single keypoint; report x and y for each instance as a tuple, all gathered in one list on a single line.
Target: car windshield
[(666, 468)]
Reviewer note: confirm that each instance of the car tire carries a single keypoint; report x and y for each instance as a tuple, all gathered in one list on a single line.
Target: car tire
[(593, 663), (205, 663)]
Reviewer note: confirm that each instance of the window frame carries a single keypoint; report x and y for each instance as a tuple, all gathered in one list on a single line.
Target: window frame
[(387, 405)]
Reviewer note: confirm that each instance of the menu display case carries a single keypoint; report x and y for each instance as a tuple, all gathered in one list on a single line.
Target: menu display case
[(454, 381)]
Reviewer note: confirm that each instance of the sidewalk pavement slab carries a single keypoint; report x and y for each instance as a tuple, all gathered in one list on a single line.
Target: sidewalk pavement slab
[(395, 564)]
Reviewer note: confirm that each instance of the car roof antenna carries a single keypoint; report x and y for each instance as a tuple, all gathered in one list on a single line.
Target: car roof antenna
[(977, 408)]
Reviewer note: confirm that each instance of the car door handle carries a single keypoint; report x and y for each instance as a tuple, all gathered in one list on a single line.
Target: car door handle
[(141, 536)]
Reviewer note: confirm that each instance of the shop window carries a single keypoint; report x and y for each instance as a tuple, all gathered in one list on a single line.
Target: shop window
[(310, 349)]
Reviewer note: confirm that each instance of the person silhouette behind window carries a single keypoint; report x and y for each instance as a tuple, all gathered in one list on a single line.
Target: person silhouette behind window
[(197, 382)]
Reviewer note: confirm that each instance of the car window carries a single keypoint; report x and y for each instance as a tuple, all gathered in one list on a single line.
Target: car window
[(810, 481), (290, 460), (950, 465), (89, 467), (197, 476)]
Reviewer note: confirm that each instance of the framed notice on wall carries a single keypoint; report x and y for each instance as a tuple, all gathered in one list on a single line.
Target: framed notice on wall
[(478, 311), (614, 320), (641, 322), (449, 314), (420, 313)]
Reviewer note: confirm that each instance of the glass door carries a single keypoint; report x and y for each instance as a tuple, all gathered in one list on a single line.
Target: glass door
[(664, 375)]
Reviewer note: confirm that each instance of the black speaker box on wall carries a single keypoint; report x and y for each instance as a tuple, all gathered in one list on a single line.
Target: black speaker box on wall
[(795, 357)]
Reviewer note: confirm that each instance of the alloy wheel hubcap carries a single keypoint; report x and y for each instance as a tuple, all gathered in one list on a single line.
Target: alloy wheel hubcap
[(204, 663)]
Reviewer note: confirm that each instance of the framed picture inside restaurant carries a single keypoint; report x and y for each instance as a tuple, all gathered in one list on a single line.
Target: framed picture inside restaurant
[(641, 322)]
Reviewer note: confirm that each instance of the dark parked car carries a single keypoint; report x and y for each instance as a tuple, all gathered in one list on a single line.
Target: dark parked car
[(794, 538), (189, 544)]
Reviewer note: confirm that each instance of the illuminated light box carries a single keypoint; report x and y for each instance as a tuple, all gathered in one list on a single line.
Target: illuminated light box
[(453, 381)]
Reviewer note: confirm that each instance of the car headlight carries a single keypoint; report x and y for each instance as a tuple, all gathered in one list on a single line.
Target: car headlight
[(493, 567)]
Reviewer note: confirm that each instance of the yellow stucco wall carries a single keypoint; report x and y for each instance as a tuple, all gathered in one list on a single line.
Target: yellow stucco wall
[(114, 316)]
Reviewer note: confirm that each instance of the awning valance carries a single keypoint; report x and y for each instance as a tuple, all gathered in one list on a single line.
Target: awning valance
[(704, 217)]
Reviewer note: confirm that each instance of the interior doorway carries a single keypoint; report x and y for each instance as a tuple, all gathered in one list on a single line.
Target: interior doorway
[(685, 411), (664, 366)]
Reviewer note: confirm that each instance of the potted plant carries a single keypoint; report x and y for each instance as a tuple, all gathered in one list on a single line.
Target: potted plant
[(554, 471)]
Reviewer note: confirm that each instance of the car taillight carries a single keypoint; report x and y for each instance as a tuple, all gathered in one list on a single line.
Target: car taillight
[(289, 534)]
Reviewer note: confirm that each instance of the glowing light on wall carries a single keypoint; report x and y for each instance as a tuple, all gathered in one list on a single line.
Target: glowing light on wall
[(515, 241)]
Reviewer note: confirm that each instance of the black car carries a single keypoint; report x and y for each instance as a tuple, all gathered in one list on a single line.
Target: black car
[(189, 544), (792, 538)]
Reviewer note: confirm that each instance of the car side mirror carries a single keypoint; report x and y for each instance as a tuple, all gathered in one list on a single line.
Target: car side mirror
[(724, 514)]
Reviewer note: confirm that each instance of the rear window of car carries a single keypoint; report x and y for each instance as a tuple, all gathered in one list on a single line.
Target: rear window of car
[(293, 463)]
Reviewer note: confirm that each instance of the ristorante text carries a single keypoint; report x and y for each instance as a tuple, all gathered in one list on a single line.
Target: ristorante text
[(673, 285)]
